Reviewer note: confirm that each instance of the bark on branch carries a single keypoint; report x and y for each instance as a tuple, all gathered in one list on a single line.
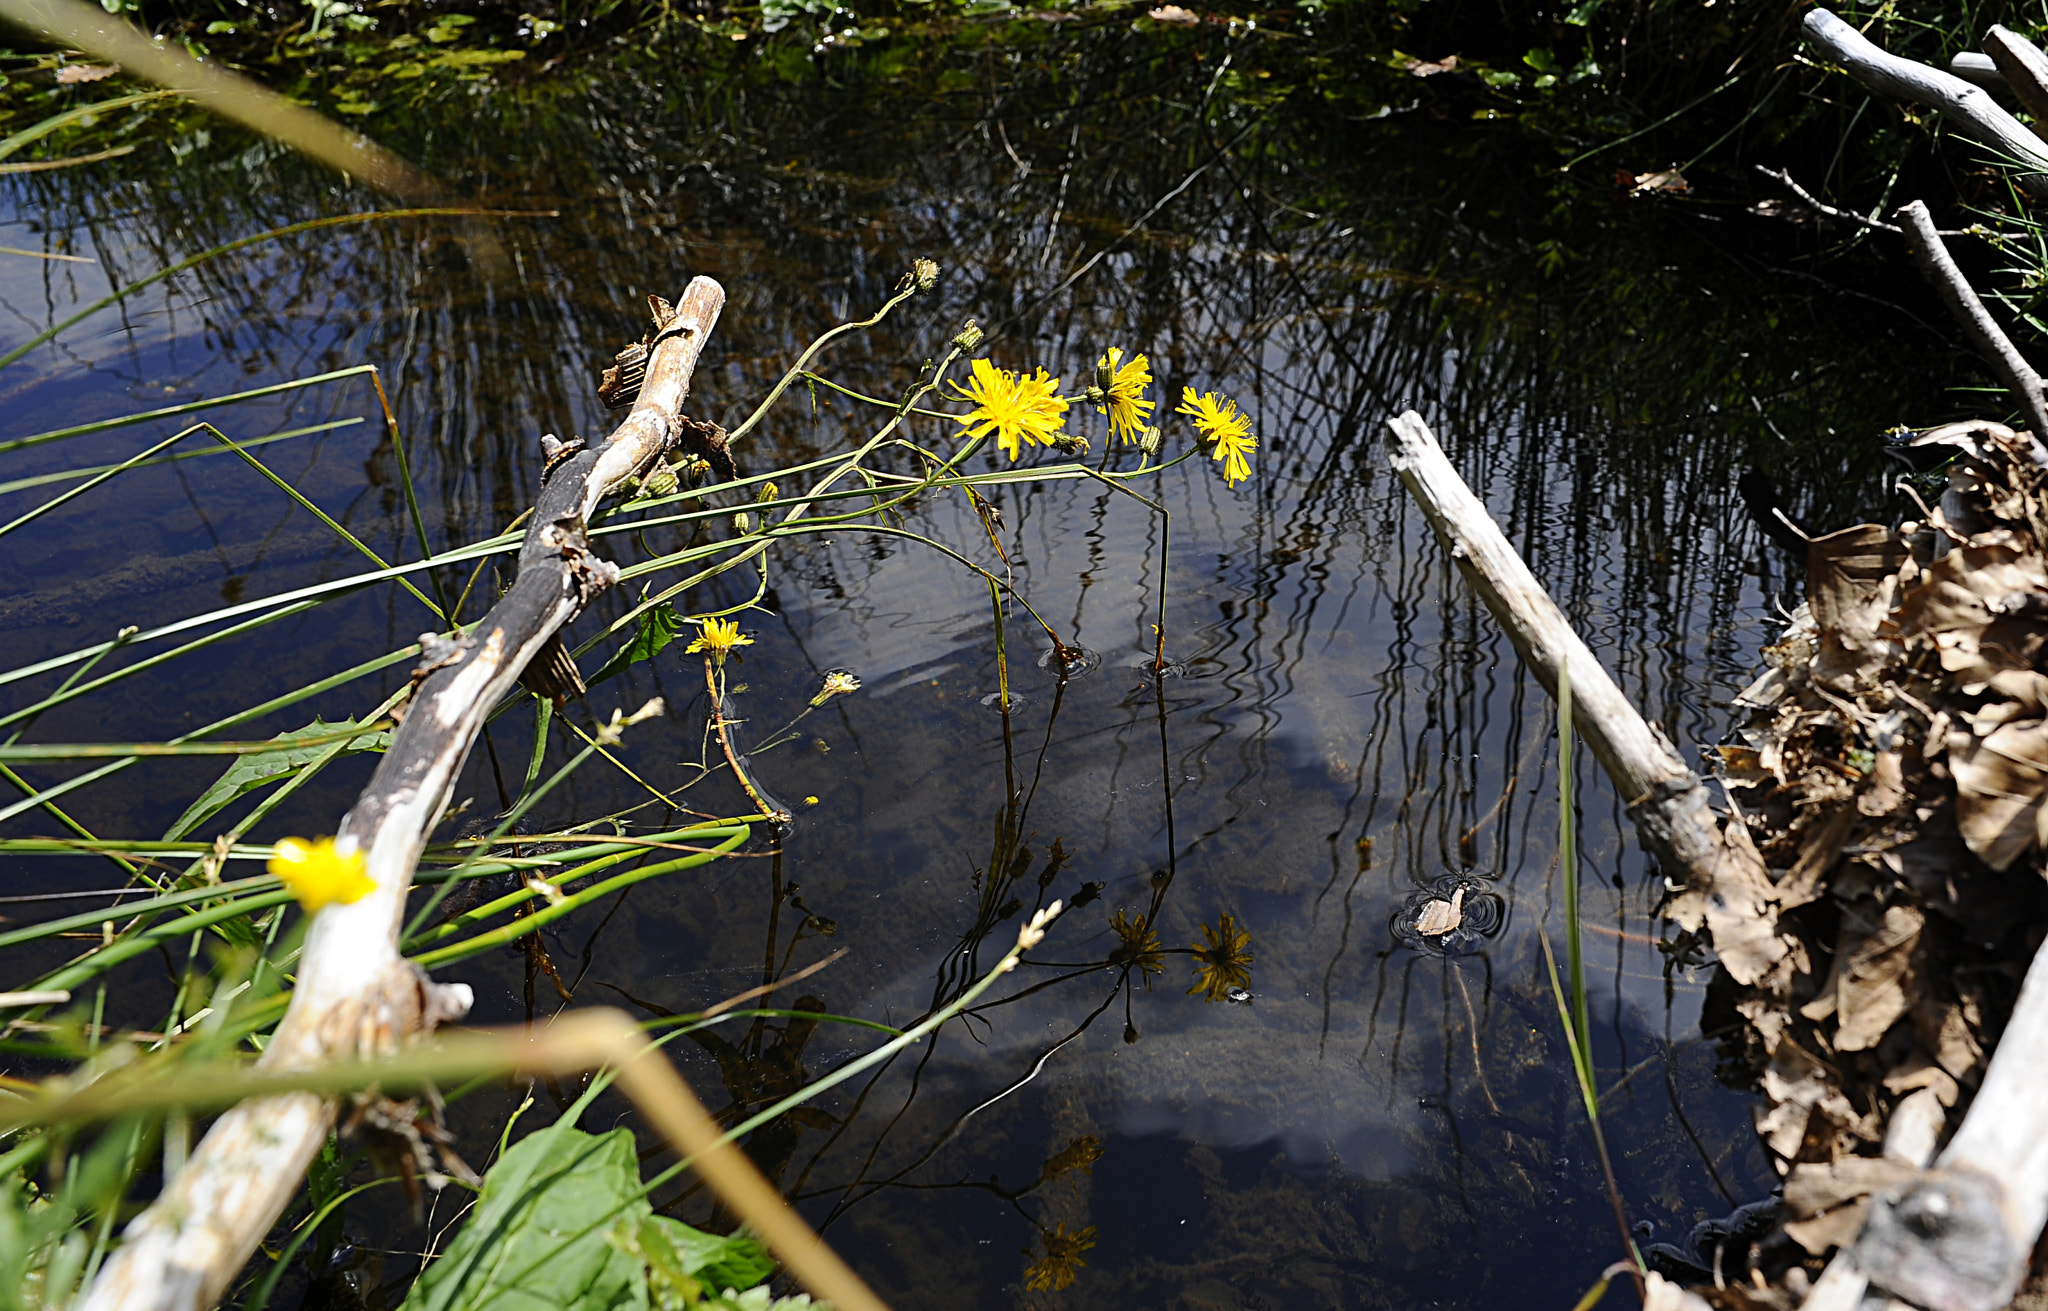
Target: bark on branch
[(354, 994), (1668, 802), (1970, 108)]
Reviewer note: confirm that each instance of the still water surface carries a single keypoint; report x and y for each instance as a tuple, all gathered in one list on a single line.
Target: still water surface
[(1374, 1125)]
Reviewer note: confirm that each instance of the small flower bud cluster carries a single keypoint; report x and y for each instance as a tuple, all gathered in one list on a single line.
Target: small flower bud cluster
[(1030, 935), (969, 337)]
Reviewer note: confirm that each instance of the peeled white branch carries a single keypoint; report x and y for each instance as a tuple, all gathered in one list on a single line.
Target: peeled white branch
[(1668, 802), (1970, 108), (354, 994), (1983, 330)]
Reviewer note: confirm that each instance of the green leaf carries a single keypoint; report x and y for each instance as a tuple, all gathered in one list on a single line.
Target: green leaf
[(658, 627), (538, 1240), (735, 1261), (251, 772)]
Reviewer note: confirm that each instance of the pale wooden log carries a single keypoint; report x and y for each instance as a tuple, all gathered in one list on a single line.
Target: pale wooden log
[(1978, 70), (1669, 804), (354, 994), (1970, 108), (2024, 70), (1983, 331)]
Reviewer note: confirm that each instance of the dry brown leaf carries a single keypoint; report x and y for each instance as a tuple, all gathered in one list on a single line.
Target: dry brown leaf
[(1813, 1189), (73, 74), (1850, 582), (1173, 14), (1440, 917), (1823, 1233), (2000, 783), (1887, 791), (1870, 993), (1418, 68), (1819, 846)]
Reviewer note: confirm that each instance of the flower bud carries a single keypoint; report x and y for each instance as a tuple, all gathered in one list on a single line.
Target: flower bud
[(925, 273), (1105, 375), (743, 523), (1067, 443), (1096, 395), (1148, 441), (970, 336)]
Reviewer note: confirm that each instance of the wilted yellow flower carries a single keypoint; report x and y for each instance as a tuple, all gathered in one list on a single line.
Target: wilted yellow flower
[(1011, 406), (1055, 1270), (1124, 398), (717, 636), (1137, 945), (1218, 421), (838, 682), (1225, 963), (318, 875)]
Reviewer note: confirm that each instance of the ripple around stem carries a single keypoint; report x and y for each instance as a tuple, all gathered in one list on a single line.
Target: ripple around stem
[(1484, 915), (1064, 662), (1017, 700)]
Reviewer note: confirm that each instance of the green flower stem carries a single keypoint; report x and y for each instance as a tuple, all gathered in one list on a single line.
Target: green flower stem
[(803, 362)]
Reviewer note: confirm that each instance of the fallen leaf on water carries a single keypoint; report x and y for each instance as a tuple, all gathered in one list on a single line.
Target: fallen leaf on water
[(1172, 14), (73, 74), (1440, 917), (1418, 68)]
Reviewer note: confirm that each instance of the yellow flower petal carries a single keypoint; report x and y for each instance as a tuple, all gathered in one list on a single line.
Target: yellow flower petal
[(1125, 403), (319, 875), (1013, 407), (1218, 421), (718, 636)]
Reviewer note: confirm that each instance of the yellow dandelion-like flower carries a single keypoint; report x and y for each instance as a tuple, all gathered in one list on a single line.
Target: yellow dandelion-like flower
[(318, 875), (1012, 406), (1137, 945), (1218, 421), (1225, 963), (1124, 398), (719, 637), (1055, 1270)]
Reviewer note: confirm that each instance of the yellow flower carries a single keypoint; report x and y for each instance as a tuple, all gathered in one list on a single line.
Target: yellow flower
[(1225, 963), (1124, 397), (1137, 945), (318, 875), (718, 636), (838, 682), (1055, 1270), (1218, 421), (1011, 406)]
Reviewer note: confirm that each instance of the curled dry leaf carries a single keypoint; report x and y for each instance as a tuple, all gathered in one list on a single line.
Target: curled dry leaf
[(1440, 917)]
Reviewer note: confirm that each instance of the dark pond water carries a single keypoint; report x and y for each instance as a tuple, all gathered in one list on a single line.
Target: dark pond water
[(1376, 1125)]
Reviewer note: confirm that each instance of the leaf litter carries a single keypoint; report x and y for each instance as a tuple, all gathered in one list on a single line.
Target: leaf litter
[(1891, 774)]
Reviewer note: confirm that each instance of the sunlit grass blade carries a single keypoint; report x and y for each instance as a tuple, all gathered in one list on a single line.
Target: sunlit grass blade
[(179, 457)]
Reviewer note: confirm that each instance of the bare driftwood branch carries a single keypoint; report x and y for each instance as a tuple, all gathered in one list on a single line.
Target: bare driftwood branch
[(1983, 330), (1978, 69), (1668, 802), (354, 994), (1970, 108), (2024, 70), (1784, 178)]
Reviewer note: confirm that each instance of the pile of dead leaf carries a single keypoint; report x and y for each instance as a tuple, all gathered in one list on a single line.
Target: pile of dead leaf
[(1892, 775)]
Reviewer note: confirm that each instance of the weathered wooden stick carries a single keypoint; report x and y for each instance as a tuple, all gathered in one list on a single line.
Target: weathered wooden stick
[(1970, 108), (2024, 70), (1977, 69), (1667, 800), (354, 994), (1958, 1237), (1978, 325)]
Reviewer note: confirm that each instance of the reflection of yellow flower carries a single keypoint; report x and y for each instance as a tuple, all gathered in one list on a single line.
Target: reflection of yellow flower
[(1125, 402), (1137, 945), (717, 636), (1055, 1270), (1225, 963), (1218, 421), (1081, 1154), (318, 875), (1011, 406)]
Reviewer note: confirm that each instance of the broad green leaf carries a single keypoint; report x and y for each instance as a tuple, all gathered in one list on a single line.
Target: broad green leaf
[(685, 1264), (658, 627), (255, 771), (538, 1240)]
